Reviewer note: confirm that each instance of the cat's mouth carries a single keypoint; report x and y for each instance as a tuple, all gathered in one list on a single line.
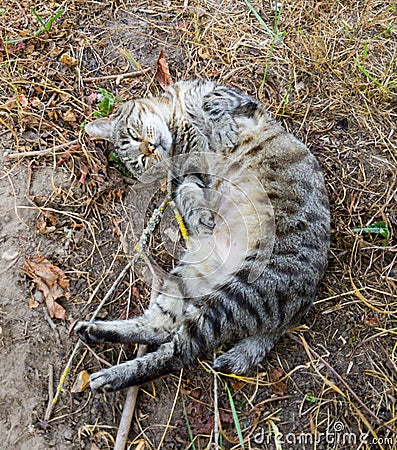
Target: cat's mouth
[(144, 160)]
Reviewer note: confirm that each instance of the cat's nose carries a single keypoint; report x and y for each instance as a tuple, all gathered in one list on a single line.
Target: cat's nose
[(147, 148)]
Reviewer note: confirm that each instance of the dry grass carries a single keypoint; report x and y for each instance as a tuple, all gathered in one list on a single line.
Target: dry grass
[(331, 79)]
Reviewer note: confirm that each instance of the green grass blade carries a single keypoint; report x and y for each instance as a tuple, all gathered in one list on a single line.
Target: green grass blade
[(189, 429), (259, 18), (36, 14), (373, 79), (52, 19), (380, 228), (235, 417), (131, 59)]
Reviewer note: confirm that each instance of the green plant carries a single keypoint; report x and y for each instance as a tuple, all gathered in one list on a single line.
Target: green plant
[(235, 417), (379, 228), (310, 397), (274, 34), (360, 66), (106, 105), (45, 26)]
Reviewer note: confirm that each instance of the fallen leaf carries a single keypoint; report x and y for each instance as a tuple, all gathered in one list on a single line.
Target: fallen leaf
[(36, 102), (136, 293), (69, 116), (371, 321), (68, 60), (279, 387), (204, 53), (81, 382), (84, 173), (51, 281), (91, 99), (276, 374), (33, 303), (46, 222), (162, 71), (238, 385), (17, 101)]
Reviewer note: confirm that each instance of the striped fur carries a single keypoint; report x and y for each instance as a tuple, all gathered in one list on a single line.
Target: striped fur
[(254, 201)]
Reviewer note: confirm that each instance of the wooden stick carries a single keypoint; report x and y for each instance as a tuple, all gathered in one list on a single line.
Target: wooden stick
[(128, 410), (120, 76)]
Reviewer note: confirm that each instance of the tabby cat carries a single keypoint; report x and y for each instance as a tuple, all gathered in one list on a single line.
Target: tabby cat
[(254, 202)]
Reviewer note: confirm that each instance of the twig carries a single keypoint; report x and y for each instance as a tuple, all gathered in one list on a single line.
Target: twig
[(119, 76), (140, 248), (44, 151), (50, 404)]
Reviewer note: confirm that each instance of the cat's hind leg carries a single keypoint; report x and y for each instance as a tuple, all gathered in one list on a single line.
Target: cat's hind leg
[(244, 357)]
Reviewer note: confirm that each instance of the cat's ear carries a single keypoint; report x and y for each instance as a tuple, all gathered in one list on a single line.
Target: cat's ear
[(101, 128)]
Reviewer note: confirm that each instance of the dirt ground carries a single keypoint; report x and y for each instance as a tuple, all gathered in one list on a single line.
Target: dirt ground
[(328, 72)]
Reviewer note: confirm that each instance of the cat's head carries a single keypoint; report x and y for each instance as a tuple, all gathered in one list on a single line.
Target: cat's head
[(139, 132)]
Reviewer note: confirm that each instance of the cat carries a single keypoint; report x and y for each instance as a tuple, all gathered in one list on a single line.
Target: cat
[(256, 207)]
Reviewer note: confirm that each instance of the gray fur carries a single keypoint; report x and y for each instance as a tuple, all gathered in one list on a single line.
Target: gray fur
[(254, 201)]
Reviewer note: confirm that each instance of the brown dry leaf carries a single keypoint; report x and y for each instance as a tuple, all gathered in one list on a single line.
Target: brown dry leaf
[(371, 321), (69, 116), (204, 53), (33, 303), (68, 60), (17, 101), (279, 387), (276, 374), (81, 383), (46, 222), (51, 281), (162, 71), (136, 293), (91, 99), (36, 102)]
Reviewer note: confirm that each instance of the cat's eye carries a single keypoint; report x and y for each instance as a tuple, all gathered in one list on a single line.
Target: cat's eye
[(133, 134)]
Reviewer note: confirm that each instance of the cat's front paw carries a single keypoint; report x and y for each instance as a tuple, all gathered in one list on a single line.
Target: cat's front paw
[(89, 332), (114, 378), (206, 222)]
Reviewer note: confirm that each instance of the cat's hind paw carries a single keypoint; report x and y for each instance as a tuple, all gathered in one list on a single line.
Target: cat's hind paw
[(236, 362)]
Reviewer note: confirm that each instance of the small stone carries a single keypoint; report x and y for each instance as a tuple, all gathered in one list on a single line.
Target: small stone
[(10, 255)]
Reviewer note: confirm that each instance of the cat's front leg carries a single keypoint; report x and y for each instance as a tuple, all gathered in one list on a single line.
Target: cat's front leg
[(194, 206), (137, 330), (156, 326)]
